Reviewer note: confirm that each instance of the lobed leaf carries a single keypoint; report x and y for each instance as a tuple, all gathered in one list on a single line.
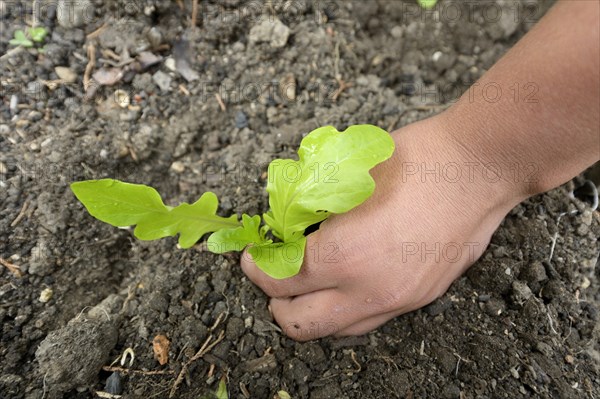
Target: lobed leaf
[(123, 204), (38, 34), (20, 39), (280, 260), (331, 176), (236, 239)]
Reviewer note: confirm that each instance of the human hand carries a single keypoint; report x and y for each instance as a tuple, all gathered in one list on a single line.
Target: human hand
[(402, 248)]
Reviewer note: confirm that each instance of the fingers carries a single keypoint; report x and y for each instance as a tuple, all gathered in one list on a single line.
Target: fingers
[(313, 315), (315, 274)]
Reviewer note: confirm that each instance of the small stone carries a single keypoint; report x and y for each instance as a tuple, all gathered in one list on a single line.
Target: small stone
[(248, 322), (113, 384), (170, 64), (121, 98), (270, 30), (65, 74), (288, 86), (509, 20), (544, 348), (3, 168), (451, 391), (499, 252), (14, 104), (177, 167), (437, 307), (583, 230), (514, 373), (34, 116), (569, 359), (483, 298), (520, 292), (533, 273), (162, 80), (238, 47), (155, 37), (46, 295), (241, 120), (397, 32), (235, 328), (585, 283), (587, 217), (494, 307)]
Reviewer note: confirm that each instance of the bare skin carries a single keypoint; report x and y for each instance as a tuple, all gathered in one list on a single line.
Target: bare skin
[(450, 183)]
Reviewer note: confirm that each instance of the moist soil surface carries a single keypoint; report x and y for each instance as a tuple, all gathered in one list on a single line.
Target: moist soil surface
[(206, 108)]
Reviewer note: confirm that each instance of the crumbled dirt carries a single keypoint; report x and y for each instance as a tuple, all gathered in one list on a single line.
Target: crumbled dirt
[(517, 325)]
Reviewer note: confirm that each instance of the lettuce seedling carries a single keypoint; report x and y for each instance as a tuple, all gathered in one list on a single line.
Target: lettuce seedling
[(427, 4), (331, 176)]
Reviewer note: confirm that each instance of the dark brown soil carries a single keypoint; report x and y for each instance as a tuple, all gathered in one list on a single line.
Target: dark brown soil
[(518, 325)]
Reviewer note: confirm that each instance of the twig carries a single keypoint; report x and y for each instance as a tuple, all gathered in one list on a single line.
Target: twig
[(336, 63), (97, 32), (340, 90), (184, 90), (220, 101), (91, 53), (21, 214), (353, 356), (126, 371), (206, 347), (44, 385), (555, 237), (216, 323), (14, 269), (194, 13), (551, 323)]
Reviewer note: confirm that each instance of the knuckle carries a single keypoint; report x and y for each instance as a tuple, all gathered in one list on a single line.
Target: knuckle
[(271, 287), (309, 330)]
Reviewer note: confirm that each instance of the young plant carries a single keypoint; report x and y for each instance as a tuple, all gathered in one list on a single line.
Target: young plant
[(37, 35), (427, 4), (331, 176)]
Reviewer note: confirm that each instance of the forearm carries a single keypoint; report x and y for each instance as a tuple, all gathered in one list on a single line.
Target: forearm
[(536, 112)]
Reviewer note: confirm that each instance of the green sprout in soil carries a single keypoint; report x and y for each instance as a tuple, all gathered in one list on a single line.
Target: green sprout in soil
[(36, 35), (427, 4), (330, 177)]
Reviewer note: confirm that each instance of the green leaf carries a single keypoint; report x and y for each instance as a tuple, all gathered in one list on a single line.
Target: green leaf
[(331, 176), (123, 204), (280, 260), (222, 390), (20, 39), (427, 4), (38, 34), (284, 395), (227, 240)]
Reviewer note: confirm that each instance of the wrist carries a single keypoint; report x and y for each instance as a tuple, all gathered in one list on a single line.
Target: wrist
[(504, 163), (432, 154)]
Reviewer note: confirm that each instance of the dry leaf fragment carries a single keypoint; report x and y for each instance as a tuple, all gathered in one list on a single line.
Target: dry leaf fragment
[(161, 344), (147, 59), (108, 76), (183, 60)]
